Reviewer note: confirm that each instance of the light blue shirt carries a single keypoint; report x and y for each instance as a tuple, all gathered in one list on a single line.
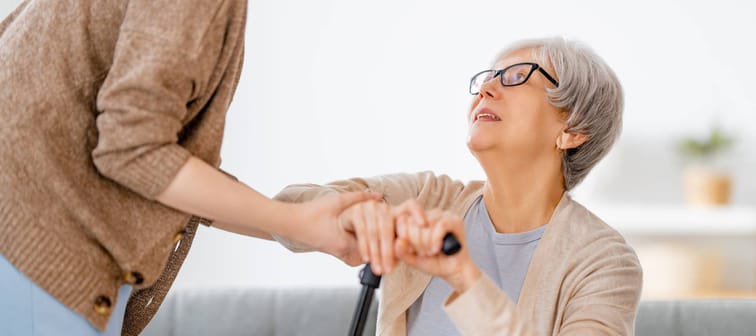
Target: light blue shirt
[(27, 309), (504, 257)]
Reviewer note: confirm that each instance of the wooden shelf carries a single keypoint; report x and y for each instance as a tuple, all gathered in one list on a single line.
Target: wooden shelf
[(649, 219), (706, 294)]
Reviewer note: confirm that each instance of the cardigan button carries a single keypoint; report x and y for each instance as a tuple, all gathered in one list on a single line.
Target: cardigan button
[(178, 236), (133, 278), (102, 305)]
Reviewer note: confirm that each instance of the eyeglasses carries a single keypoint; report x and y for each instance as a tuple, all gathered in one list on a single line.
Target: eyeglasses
[(513, 75)]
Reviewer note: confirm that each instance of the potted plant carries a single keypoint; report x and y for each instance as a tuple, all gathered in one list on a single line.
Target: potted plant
[(705, 181)]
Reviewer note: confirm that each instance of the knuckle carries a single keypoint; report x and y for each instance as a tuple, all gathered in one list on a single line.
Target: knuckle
[(386, 253), (359, 225), (387, 232), (357, 210), (372, 230)]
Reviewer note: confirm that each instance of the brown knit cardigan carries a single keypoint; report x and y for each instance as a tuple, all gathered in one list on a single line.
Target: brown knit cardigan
[(102, 102)]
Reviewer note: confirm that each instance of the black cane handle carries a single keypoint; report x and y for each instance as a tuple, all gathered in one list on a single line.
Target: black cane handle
[(450, 245), (370, 282)]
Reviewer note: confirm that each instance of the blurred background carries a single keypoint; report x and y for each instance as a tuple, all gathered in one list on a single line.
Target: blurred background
[(333, 89)]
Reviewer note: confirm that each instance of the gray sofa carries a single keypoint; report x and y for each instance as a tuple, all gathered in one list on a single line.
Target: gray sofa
[(264, 312), (280, 312)]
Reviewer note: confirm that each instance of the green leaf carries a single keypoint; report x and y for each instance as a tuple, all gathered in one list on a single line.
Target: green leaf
[(716, 142)]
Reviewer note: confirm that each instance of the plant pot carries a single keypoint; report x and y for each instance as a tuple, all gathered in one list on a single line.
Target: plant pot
[(707, 186)]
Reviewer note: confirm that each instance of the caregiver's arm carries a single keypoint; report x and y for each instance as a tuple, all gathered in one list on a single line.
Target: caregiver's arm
[(204, 191)]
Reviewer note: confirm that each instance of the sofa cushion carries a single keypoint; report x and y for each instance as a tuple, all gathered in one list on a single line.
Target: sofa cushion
[(264, 312), (696, 317)]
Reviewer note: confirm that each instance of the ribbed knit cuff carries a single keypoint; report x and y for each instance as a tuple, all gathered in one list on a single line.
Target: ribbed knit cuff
[(151, 173)]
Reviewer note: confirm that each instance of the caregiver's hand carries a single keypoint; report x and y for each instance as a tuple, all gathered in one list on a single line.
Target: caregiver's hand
[(373, 224), (420, 247), (318, 225)]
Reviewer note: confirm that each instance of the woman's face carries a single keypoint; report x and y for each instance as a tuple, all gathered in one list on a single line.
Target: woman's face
[(516, 121)]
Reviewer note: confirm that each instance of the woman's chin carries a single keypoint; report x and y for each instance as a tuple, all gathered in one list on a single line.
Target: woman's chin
[(479, 139), (477, 145)]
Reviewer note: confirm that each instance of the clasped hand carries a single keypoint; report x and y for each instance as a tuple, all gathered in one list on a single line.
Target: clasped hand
[(387, 235)]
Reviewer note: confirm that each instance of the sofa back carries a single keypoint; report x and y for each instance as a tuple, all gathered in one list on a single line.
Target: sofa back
[(328, 311)]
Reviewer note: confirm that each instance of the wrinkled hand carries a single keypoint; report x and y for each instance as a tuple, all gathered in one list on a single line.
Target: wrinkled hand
[(420, 247), (374, 225)]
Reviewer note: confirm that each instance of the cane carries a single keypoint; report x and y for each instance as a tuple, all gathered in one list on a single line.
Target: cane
[(371, 281)]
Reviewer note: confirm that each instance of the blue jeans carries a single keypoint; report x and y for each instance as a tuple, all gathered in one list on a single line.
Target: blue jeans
[(27, 309)]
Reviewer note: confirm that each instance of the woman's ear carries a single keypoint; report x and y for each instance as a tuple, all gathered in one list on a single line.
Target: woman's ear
[(567, 140)]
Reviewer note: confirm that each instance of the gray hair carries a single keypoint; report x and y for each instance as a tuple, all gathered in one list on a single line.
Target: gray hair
[(590, 93)]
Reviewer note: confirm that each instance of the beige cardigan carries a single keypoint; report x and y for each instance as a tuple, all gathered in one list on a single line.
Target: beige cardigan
[(583, 278)]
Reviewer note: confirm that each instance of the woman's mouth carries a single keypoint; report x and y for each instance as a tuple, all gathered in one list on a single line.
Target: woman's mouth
[(485, 114)]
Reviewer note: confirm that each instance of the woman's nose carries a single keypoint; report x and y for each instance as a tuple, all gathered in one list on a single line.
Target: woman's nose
[(490, 89)]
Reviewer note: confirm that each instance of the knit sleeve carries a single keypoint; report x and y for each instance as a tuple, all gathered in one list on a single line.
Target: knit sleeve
[(430, 190), (605, 303), (160, 65)]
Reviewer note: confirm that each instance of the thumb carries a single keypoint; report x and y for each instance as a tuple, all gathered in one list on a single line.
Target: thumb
[(344, 201), (403, 250), (351, 255)]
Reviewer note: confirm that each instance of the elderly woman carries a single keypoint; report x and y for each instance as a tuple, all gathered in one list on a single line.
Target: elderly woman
[(534, 262)]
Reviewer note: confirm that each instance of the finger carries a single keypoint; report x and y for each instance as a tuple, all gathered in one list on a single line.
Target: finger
[(376, 196), (404, 251), (408, 256), (437, 234), (434, 215), (402, 226), (346, 200), (420, 240), (428, 243), (415, 238), (352, 255), (388, 235), (402, 229), (412, 207), (458, 227), (345, 219), (373, 237), (358, 221)]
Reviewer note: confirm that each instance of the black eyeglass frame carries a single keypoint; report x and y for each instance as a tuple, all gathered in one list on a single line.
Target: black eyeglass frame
[(498, 73)]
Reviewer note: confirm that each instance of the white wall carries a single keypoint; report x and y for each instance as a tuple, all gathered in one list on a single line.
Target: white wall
[(334, 89)]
